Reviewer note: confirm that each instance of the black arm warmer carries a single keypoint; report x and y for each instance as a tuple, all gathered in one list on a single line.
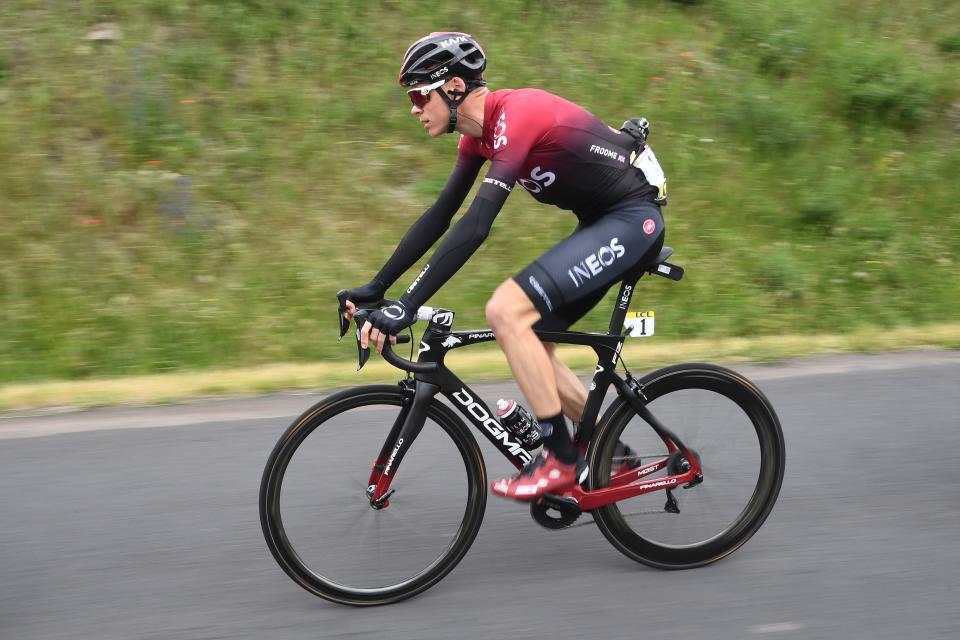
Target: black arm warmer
[(462, 241), (431, 225)]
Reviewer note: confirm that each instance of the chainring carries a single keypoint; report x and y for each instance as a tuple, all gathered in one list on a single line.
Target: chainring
[(554, 513)]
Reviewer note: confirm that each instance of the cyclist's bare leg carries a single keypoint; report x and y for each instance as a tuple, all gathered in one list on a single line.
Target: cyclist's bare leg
[(511, 316), (573, 395)]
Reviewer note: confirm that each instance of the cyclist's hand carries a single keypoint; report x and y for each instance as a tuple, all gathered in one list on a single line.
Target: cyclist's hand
[(370, 293), (388, 321)]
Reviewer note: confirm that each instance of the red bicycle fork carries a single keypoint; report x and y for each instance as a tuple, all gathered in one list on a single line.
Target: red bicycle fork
[(406, 428)]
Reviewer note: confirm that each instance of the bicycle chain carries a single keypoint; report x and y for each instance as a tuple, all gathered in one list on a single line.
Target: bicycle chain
[(625, 516)]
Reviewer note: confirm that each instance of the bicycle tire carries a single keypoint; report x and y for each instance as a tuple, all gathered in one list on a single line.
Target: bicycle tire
[(331, 409), (656, 386)]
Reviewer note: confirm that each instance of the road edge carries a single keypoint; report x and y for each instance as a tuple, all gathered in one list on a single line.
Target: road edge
[(482, 363)]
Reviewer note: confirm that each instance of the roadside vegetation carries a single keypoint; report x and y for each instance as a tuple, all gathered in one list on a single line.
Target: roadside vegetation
[(185, 185)]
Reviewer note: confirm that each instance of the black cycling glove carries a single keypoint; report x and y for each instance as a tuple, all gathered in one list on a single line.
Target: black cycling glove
[(394, 318), (370, 293)]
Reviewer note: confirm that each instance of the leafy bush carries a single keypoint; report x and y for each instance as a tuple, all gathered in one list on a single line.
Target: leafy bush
[(949, 43), (878, 83), (778, 37), (780, 274), (819, 210), (767, 120)]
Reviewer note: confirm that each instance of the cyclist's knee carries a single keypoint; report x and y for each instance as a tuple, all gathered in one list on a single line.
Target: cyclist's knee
[(510, 310)]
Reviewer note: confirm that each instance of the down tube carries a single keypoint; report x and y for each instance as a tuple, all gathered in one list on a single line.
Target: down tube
[(477, 412)]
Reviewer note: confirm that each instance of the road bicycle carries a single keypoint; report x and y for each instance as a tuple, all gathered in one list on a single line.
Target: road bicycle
[(684, 465)]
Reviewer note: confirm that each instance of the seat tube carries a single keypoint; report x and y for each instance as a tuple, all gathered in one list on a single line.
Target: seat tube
[(623, 303), (412, 425)]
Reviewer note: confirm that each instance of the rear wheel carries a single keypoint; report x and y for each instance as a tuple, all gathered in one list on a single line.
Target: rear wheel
[(316, 514), (731, 427)]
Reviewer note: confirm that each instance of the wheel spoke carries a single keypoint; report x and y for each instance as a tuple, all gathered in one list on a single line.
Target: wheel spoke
[(734, 433), (352, 556)]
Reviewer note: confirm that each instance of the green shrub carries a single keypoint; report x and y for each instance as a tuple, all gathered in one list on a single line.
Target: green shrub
[(949, 43), (780, 274), (777, 37), (878, 83), (819, 210), (782, 52), (767, 120)]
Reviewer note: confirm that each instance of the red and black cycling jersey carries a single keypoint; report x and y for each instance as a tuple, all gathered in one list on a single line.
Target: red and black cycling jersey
[(558, 151)]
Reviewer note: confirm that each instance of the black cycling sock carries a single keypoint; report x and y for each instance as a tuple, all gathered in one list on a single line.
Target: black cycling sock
[(556, 438)]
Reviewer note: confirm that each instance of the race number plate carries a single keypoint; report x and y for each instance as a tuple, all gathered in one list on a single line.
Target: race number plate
[(647, 162), (639, 324)]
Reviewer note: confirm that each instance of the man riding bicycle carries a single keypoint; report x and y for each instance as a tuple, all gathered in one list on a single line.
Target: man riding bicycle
[(564, 156)]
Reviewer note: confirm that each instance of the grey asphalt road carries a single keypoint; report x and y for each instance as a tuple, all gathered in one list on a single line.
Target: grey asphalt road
[(143, 523)]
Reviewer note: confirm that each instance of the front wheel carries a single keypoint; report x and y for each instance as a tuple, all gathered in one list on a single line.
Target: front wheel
[(316, 512), (733, 430)]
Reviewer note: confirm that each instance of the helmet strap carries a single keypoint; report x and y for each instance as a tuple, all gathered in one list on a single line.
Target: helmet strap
[(457, 99), (453, 103)]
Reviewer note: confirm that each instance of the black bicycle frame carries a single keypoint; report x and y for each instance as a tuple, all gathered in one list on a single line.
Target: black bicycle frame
[(431, 376)]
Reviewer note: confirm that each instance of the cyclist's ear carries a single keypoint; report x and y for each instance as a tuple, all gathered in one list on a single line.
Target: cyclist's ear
[(455, 83)]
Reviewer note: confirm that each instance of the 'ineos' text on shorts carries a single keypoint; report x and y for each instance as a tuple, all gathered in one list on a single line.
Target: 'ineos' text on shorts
[(594, 263)]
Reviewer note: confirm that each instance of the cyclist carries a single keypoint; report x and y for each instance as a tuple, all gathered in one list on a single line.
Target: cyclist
[(562, 155)]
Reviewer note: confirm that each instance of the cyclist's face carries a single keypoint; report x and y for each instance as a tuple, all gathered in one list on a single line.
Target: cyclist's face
[(434, 113)]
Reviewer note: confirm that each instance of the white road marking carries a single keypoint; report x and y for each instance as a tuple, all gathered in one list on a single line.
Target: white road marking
[(778, 627)]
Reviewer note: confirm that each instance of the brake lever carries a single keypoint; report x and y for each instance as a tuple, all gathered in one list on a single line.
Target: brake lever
[(342, 309), (362, 354), (360, 317)]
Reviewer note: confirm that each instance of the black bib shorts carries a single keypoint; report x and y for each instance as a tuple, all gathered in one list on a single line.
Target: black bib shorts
[(571, 278)]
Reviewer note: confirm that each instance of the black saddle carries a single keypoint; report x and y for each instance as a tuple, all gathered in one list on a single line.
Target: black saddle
[(660, 266)]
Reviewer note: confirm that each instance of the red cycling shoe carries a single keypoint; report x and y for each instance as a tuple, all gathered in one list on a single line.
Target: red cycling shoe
[(545, 474)]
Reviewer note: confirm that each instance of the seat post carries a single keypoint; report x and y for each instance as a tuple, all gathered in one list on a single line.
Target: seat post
[(627, 287)]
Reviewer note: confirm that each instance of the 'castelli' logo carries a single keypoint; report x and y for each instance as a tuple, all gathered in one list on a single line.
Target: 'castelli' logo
[(417, 281), (649, 226)]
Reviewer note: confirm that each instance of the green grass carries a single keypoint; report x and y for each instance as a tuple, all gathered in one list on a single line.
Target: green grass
[(191, 195), (482, 363)]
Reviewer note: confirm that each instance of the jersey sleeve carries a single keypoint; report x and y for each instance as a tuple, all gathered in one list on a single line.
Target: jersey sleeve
[(518, 126), (457, 247), (434, 222)]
